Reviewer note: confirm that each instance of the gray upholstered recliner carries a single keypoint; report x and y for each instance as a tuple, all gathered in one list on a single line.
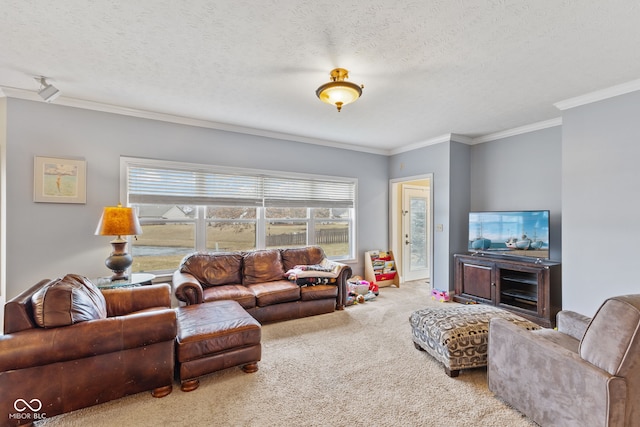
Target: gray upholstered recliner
[(586, 373)]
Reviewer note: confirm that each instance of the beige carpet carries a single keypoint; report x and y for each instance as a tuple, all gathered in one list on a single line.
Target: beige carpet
[(356, 367)]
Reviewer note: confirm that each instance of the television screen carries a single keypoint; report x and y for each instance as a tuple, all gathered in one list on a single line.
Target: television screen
[(520, 233)]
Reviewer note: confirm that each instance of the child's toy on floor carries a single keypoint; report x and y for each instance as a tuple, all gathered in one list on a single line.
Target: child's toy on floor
[(360, 290), (374, 288), (369, 296), (440, 295), (355, 299)]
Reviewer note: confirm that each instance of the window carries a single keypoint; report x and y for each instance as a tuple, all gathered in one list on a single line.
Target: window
[(168, 234), (231, 228), (186, 207)]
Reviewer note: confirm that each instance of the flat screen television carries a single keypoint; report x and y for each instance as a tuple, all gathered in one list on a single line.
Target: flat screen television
[(516, 233)]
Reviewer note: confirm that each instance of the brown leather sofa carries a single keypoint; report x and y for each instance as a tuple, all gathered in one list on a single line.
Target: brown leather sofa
[(256, 280), (68, 346)]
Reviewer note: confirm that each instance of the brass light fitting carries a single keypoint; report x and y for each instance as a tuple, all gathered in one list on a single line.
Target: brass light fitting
[(339, 92)]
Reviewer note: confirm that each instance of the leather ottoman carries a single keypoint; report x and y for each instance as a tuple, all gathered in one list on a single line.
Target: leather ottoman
[(458, 335), (213, 336)]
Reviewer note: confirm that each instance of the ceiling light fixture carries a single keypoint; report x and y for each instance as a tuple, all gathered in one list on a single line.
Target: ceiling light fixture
[(47, 91), (339, 92)]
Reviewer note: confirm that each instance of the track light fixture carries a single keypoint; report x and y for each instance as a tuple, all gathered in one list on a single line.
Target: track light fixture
[(339, 92), (47, 91)]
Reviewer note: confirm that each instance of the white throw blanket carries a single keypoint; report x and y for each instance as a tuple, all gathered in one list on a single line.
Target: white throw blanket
[(326, 268)]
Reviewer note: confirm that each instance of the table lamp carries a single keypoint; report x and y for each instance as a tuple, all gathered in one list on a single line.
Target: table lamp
[(118, 221)]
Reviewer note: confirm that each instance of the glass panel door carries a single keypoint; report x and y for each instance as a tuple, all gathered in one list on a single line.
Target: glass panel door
[(415, 233)]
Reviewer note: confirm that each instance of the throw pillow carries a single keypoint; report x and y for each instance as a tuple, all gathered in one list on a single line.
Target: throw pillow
[(66, 301)]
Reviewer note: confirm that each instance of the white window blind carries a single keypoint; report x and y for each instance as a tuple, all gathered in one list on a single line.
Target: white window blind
[(286, 192), (175, 186), (163, 184)]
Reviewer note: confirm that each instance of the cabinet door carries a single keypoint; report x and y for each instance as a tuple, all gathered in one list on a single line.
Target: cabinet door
[(477, 280)]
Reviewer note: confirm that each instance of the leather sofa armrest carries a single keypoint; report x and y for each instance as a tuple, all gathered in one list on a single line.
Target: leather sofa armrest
[(187, 288), (344, 274), (40, 346), (572, 323), (122, 301), (148, 327)]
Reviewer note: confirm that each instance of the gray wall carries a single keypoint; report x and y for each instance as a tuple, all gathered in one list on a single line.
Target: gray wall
[(459, 200), (49, 240), (522, 172), (585, 173), (449, 191), (601, 201)]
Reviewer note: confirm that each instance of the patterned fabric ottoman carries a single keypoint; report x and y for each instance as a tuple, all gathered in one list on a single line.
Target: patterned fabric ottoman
[(457, 335)]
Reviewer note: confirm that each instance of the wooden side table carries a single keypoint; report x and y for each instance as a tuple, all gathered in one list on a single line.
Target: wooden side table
[(135, 279)]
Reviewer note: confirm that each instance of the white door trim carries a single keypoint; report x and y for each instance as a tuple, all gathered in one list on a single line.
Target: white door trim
[(395, 222)]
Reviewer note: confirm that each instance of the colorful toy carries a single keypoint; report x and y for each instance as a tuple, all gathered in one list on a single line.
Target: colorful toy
[(374, 288), (440, 295), (369, 296), (360, 290)]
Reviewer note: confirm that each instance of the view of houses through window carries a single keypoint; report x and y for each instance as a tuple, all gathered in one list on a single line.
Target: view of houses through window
[(170, 231), (184, 208)]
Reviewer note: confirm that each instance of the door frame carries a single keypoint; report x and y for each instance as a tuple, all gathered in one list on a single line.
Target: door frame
[(395, 220)]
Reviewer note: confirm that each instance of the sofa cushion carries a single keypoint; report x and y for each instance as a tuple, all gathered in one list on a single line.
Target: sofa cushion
[(304, 282), (301, 256), (310, 293), (239, 293), (214, 269), (262, 266), (66, 301), (275, 292)]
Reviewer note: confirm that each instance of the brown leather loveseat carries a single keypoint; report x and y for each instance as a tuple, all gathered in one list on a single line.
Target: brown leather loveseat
[(67, 346), (257, 281)]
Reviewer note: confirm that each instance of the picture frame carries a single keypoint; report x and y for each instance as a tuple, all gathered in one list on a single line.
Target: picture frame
[(59, 180)]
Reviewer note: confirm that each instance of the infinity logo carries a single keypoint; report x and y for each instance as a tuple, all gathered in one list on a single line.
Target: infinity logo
[(37, 405)]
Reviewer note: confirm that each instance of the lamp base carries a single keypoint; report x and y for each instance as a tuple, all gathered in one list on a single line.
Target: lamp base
[(119, 275), (119, 260)]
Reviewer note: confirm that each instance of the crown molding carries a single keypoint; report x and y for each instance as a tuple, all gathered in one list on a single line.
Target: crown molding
[(598, 95), (447, 137), (518, 131), (461, 138), (484, 138), (29, 95)]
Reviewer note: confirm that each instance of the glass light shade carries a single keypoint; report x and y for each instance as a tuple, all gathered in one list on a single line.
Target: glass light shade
[(118, 221), (339, 93)]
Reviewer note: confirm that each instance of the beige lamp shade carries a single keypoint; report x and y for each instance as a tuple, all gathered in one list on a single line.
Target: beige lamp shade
[(118, 221)]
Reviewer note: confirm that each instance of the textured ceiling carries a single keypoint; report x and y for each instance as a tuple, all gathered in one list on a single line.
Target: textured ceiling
[(429, 67)]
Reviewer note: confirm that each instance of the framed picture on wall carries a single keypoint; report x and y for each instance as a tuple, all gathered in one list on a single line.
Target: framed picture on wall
[(59, 180)]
